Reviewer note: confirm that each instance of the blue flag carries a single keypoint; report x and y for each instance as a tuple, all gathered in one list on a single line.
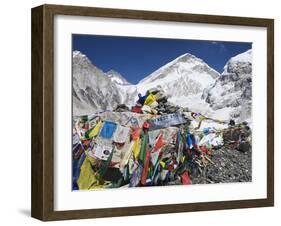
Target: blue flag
[(108, 129)]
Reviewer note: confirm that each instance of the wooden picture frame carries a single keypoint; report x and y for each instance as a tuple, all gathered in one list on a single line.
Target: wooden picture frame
[(42, 203)]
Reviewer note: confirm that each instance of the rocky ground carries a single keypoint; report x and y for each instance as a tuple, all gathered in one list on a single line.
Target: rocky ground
[(230, 165)]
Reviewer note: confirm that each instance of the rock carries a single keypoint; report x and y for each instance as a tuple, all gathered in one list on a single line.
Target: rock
[(244, 147), (233, 88), (122, 108)]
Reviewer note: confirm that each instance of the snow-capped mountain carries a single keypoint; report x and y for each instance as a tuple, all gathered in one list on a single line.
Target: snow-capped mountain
[(232, 91), (187, 81), (186, 75), (117, 78), (93, 90)]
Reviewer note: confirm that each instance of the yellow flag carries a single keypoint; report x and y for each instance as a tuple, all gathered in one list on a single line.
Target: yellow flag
[(92, 160), (87, 177), (136, 148), (96, 130), (162, 164), (150, 99)]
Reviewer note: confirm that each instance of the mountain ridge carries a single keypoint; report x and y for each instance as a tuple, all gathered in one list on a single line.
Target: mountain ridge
[(187, 80), (184, 58)]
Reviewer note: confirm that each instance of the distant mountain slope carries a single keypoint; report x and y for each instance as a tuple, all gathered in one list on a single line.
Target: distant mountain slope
[(184, 76), (233, 89), (93, 91)]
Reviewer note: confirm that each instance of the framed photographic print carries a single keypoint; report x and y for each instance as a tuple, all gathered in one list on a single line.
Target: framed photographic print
[(141, 112)]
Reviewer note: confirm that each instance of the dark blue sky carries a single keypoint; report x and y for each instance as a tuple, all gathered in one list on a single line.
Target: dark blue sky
[(136, 58)]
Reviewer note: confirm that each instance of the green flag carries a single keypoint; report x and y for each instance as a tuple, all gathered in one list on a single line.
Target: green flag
[(143, 147)]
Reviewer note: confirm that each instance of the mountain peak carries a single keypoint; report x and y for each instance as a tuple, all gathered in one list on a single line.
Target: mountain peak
[(245, 56), (80, 57), (117, 78), (240, 62), (187, 57), (77, 53), (181, 66)]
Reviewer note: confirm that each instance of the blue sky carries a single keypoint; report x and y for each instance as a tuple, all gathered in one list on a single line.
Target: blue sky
[(136, 58)]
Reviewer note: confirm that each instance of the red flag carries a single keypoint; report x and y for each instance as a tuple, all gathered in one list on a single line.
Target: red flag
[(185, 178), (135, 134), (145, 168), (205, 150), (86, 142), (159, 143), (146, 125), (137, 109)]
